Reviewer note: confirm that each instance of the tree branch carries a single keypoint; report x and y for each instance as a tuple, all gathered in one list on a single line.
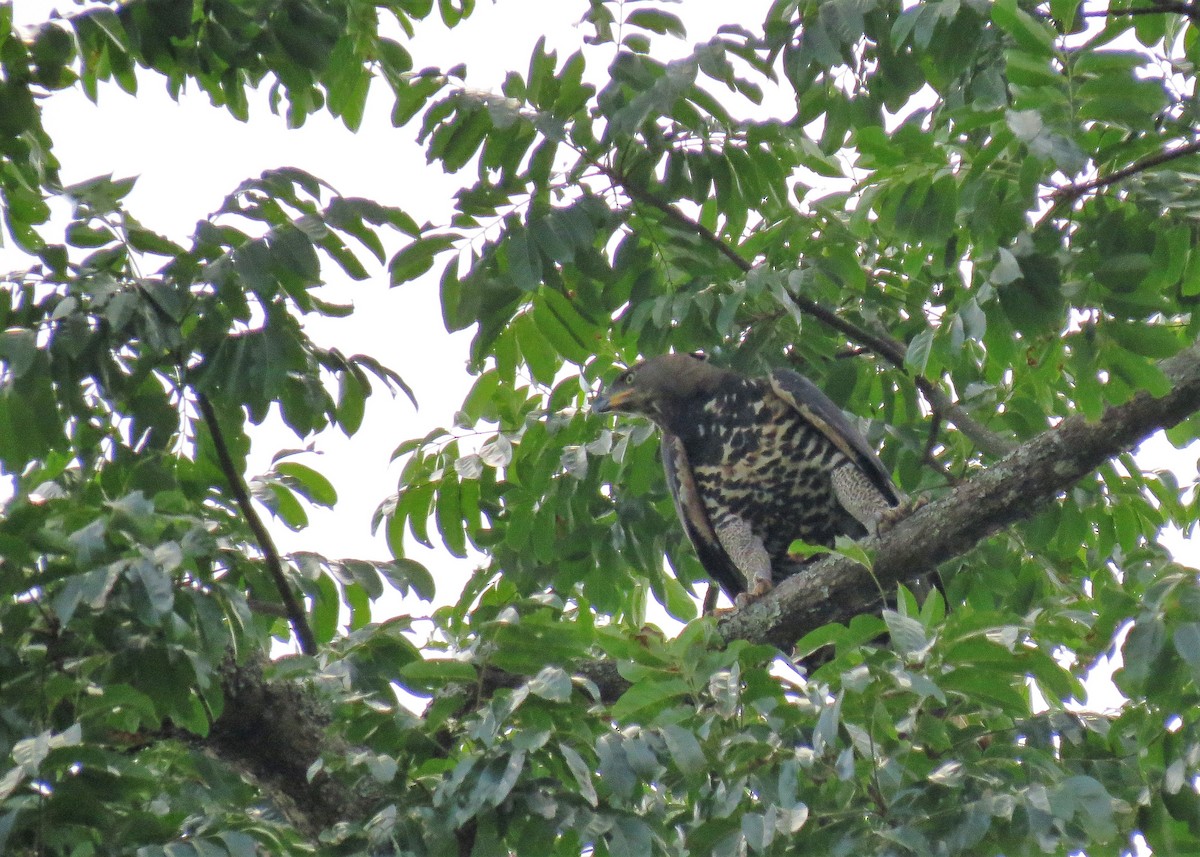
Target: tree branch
[(836, 589), (1069, 193), (1191, 10), (273, 731), (891, 350), (241, 496)]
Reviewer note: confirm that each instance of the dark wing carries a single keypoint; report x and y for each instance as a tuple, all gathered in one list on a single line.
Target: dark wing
[(820, 411), (696, 524)]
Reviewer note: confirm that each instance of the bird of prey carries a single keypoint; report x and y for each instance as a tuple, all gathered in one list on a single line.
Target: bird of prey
[(754, 464)]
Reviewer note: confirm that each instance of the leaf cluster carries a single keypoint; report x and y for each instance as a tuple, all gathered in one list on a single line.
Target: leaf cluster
[(987, 201)]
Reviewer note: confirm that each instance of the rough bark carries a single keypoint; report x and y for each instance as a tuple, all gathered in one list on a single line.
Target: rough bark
[(257, 733), (836, 589), (272, 731)]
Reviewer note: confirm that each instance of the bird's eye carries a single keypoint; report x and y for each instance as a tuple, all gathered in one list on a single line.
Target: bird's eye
[(626, 378)]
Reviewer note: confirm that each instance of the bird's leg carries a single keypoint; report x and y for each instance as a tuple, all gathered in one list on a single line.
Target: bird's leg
[(859, 496), (748, 554)]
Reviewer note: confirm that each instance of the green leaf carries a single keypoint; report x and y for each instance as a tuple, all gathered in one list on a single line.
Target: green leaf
[(552, 683), (645, 694), (18, 348), (916, 356), (497, 452), (678, 603), (907, 634), (432, 673), (156, 584), (283, 504), (1030, 33), (615, 771), (657, 21), (1148, 340), (1186, 638), (685, 750), (581, 772), (308, 482), (324, 609), (851, 549), (991, 686), (352, 402), (405, 574), (1065, 12), (293, 257), (417, 258), (84, 235), (448, 513)]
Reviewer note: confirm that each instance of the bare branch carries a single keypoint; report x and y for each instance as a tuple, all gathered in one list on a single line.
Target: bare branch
[(241, 496), (983, 437), (1069, 193), (1191, 10), (690, 224)]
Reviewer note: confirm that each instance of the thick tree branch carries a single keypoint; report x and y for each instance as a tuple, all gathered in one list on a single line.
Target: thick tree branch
[(273, 731), (241, 496), (891, 350), (836, 589)]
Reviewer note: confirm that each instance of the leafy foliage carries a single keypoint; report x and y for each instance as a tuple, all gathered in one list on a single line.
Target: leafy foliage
[(988, 202)]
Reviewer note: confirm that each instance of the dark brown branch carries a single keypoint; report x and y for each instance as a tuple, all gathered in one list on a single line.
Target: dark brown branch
[(273, 731), (689, 224), (891, 350), (1191, 10), (836, 589), (1068, 193), (935, 426), (983, 437), (241, 496)]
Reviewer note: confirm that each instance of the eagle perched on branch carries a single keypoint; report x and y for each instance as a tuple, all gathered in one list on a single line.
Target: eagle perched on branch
[(754, 464)]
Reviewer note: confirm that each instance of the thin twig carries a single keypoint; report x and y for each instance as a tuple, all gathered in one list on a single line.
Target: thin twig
[(1072, 192), (983, 437), (889, 349), (639, 194), (241, 496), (930, 459)]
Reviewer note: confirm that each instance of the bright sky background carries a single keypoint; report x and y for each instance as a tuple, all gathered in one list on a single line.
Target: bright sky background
[(189, 155)]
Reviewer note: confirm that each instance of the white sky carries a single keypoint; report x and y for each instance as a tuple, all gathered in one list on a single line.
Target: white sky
[(189, 155)]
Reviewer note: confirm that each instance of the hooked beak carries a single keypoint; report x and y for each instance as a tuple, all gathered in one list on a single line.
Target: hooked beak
[(606, 402)]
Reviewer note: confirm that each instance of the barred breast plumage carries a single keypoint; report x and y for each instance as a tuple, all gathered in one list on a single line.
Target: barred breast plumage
[(754, 464)]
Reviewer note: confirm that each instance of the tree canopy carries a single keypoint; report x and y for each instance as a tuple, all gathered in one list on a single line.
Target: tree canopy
[(974, 225)]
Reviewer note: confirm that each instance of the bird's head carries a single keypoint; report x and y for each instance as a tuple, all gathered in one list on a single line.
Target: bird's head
[(659, 387)]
